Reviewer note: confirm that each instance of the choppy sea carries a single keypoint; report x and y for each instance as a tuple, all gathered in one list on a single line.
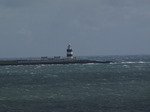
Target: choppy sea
[(122, 86)]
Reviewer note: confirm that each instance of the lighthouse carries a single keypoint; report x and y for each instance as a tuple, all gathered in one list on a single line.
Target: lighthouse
[(69, 52)]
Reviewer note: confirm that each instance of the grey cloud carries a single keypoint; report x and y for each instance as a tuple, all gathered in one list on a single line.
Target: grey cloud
[(15, 3), (39, 23)]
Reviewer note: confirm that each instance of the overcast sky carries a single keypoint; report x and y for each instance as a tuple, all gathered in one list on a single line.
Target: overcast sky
[(34, 28)]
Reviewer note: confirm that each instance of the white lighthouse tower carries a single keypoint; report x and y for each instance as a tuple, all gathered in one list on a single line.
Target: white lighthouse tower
[(69, 52)]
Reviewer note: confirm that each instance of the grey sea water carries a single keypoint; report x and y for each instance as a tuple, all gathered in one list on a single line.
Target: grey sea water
[(123, 86)]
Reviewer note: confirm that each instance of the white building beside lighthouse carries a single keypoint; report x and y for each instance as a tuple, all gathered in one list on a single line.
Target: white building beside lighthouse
[(69, 52)]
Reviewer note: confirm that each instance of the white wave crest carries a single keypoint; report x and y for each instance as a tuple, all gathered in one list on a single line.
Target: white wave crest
[(130, 62)]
